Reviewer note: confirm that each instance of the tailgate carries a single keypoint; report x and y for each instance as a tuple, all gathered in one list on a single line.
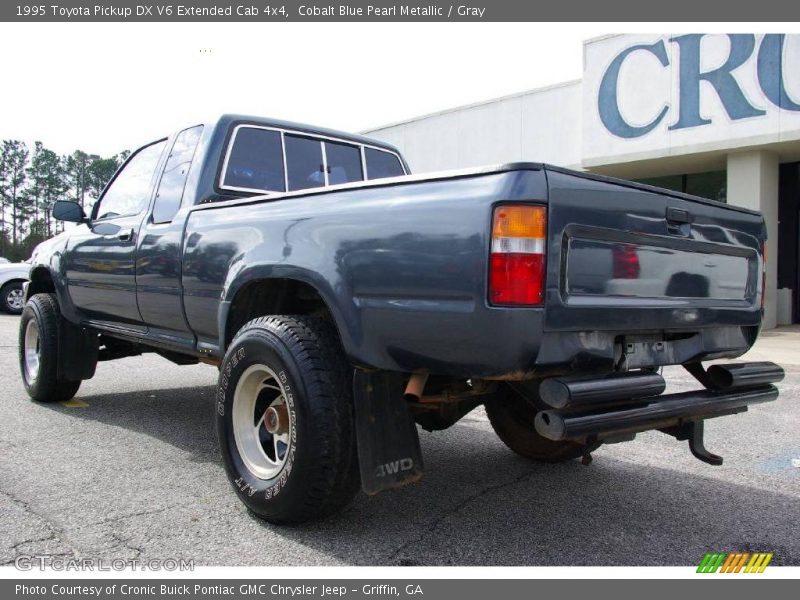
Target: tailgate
[(627, 257)]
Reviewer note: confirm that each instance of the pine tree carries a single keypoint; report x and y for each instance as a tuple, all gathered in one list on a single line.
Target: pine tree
[(75, 166), (55, 188), (47, 184), (33, 191), (14, 155), (4, 241), (31, 181)]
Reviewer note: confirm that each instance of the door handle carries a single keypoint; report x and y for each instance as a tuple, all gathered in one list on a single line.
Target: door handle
[(678, 216), (126, 235)]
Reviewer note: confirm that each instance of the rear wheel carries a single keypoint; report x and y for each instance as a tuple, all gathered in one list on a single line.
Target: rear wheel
[(11, 298), (512, 418), (285, 419), (38, 351)]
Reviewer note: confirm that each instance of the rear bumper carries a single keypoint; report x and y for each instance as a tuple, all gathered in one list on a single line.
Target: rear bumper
[(625, 350), (599, 410)]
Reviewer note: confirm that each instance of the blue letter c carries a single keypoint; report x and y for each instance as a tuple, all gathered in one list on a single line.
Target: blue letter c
[(608, 101)]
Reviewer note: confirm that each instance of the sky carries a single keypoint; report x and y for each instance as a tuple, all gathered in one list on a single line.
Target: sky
[(107, 87)]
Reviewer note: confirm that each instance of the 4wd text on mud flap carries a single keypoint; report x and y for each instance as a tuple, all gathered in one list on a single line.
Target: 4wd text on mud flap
[(393, 467)]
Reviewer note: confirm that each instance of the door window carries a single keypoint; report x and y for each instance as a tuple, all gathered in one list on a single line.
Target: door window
[(129, 191), (170, 188)]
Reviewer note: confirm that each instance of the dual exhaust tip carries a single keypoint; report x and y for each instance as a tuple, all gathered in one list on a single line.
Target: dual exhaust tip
[(631, 402)]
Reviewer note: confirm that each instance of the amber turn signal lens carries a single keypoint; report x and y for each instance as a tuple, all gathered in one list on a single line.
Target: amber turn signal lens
[(520, 221)]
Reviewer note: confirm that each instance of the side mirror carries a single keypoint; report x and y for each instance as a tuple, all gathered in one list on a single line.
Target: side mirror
[(65, 210)]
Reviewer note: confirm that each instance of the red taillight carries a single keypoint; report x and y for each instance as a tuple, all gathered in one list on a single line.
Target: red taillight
[(516, 278), (626, 262), (516, 264)]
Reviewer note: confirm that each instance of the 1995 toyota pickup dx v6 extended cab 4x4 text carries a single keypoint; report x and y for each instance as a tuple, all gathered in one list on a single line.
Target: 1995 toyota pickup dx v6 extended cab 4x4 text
[(346, 301)]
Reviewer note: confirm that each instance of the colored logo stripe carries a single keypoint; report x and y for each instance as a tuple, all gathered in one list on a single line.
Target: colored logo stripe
[(711, 562), (741, 561), (758, 563), (735, 562), (726, 568)]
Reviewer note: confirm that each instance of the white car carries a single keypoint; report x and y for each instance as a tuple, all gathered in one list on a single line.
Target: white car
[(12, 276)]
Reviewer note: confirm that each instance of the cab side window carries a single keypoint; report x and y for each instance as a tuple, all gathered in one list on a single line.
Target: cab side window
[(382, 164), (255, 162), (129, 192), (303, 163), (176, 171), (344, 163)]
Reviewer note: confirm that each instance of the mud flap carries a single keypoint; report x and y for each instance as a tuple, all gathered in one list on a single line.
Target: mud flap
[(77, 352), (388, 446)]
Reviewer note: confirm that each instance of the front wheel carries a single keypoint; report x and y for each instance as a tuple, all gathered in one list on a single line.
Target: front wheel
[(285, 419), (38, 351), (512, 418)]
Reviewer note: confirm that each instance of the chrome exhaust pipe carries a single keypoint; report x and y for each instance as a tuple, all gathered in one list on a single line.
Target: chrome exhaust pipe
[(581, 392), (739, 375), (663, 411)]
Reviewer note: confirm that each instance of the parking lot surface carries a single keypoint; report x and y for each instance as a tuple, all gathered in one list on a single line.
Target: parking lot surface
[(131, 469)]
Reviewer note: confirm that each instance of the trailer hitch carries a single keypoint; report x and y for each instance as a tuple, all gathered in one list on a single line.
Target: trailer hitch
[(693, 432)]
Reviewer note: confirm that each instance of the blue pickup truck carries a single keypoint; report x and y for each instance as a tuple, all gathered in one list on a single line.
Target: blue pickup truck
[(346, 302)]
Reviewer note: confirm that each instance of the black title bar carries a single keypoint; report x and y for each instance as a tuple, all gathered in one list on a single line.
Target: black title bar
[(359, 10)]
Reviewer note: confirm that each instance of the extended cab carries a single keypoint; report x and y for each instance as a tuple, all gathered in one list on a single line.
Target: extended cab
[(346, 301)]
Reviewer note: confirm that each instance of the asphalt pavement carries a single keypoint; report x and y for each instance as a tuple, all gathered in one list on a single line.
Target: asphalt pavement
[(131, 469)]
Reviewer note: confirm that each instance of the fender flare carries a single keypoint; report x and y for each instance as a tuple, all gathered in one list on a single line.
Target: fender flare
[(345, 314)]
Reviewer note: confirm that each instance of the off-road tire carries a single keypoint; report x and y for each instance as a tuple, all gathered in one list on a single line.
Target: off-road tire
[(320, 475), (5, 300), (45, 385), (511, 416)]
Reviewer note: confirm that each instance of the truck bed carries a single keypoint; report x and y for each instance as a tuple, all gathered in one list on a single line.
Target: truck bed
[(402, 266)]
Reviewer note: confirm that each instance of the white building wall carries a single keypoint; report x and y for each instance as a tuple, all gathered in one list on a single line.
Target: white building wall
[(538, 126)]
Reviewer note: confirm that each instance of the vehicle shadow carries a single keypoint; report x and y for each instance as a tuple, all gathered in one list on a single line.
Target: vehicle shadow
[(180, 417), (479, 504)]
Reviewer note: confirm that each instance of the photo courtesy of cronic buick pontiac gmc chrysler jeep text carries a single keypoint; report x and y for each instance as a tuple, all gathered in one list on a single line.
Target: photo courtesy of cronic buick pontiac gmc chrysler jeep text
[(346, 301)]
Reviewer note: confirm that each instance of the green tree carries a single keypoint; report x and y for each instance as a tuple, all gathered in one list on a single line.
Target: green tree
[(75, 166), (13, 157), (47, 184), (31, 181), (5, 244), (4, 241)]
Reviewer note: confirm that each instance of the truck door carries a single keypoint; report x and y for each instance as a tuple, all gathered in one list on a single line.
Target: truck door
[(100, 258), (158, 259)]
